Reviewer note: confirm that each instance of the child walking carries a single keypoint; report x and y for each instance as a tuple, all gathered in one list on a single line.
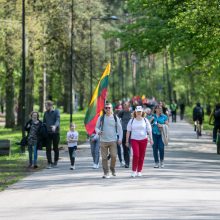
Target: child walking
[(72, 138)]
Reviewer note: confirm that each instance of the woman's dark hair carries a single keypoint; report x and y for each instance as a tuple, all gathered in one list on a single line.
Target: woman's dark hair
[(36, 113)]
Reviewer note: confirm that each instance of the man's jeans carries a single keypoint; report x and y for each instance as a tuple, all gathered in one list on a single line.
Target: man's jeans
[(32, 149), (158, 146), (106, 148), (55, 139)]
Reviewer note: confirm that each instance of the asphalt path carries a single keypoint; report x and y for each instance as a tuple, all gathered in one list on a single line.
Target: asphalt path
[(188, 187)]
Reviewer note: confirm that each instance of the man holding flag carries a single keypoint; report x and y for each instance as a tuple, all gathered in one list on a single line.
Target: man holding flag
[(109, 128), (95, 109)]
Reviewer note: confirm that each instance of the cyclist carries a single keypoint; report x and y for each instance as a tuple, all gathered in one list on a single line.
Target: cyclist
[(215, 116), (198, 115)]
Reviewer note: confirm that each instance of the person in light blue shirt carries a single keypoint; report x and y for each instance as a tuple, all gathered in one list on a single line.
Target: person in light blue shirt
[(158, 147)]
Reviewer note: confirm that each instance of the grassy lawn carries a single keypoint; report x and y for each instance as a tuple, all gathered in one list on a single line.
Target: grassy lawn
[(14, 167)]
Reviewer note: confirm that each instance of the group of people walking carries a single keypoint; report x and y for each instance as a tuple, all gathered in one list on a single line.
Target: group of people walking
[(133, 130), (46, 132)]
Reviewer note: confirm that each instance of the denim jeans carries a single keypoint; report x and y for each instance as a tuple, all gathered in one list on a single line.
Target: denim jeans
[(31, 150), (158, 146), (95, 148)]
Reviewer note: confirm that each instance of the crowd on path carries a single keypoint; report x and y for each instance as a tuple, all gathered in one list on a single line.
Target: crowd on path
[(124, 132)]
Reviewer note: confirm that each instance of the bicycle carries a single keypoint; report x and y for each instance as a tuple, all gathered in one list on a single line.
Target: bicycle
[(198, 129)]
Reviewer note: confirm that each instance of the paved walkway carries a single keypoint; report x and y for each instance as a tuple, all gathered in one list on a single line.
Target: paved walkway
[(187, 188)]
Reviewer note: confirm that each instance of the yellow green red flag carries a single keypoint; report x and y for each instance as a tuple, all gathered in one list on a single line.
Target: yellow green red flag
[(97, 102)]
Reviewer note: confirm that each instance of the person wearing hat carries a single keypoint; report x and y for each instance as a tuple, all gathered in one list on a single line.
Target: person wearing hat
[(138, 129), (108, 127)]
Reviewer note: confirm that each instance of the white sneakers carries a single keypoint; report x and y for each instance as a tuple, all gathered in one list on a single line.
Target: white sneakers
[(95, 166), (139, 174), (161, 165), (72, 167), (134, 174), (106, 176), (122, 164), (156, 165)]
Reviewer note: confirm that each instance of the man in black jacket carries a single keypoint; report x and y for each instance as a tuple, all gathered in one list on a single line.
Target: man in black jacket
[(52, 120)]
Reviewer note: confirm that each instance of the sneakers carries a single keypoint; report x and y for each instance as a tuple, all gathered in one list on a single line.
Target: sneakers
[(72, 168), (35, 166), (161, 164), (139, 174), (113, 174), (95, 166), (133, 174), (55, 165), (126, 166), (106, 176), (156, 165), (29, 166), (122, 164), (49, 166)]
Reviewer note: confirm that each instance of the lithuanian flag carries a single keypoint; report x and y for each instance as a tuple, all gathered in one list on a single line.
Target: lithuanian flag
[(97, 102)]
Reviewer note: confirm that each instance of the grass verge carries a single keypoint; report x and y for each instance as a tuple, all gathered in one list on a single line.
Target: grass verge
[(14, 167)]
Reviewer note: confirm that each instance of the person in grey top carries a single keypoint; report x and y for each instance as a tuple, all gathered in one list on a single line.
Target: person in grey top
[(125, 116), (52, 120), (108, 127)]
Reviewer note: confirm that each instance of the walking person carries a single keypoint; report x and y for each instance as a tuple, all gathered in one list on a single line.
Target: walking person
[(52, 120), (125, 116), (72, 138), (216, 116), (33, 129), (159, 121), (173, 108), (139, 128), (108, 127), (182, 110), (95, 148)]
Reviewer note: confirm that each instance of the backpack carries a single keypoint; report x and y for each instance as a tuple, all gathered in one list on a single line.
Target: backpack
[(199, 112), (217, 113)]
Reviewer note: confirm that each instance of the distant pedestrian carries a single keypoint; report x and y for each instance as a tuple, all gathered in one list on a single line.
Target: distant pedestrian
[(159, 121), (95, 148), (182, 110), (72, 138), (216, 116), (33, 128), (138, 129), (173, 108), (125, 116), (52, 120), (109, 128)]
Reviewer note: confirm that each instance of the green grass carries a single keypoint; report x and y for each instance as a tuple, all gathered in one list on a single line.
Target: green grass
[(14, 167)]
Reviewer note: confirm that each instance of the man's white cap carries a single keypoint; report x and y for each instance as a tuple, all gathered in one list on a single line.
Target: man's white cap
[(139, 108)]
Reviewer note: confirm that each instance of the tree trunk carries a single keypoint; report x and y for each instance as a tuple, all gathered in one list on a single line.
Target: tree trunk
[(9, 81), (29, 86)]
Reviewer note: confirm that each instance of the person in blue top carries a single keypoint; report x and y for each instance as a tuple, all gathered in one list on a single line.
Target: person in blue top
[(159, 119)]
